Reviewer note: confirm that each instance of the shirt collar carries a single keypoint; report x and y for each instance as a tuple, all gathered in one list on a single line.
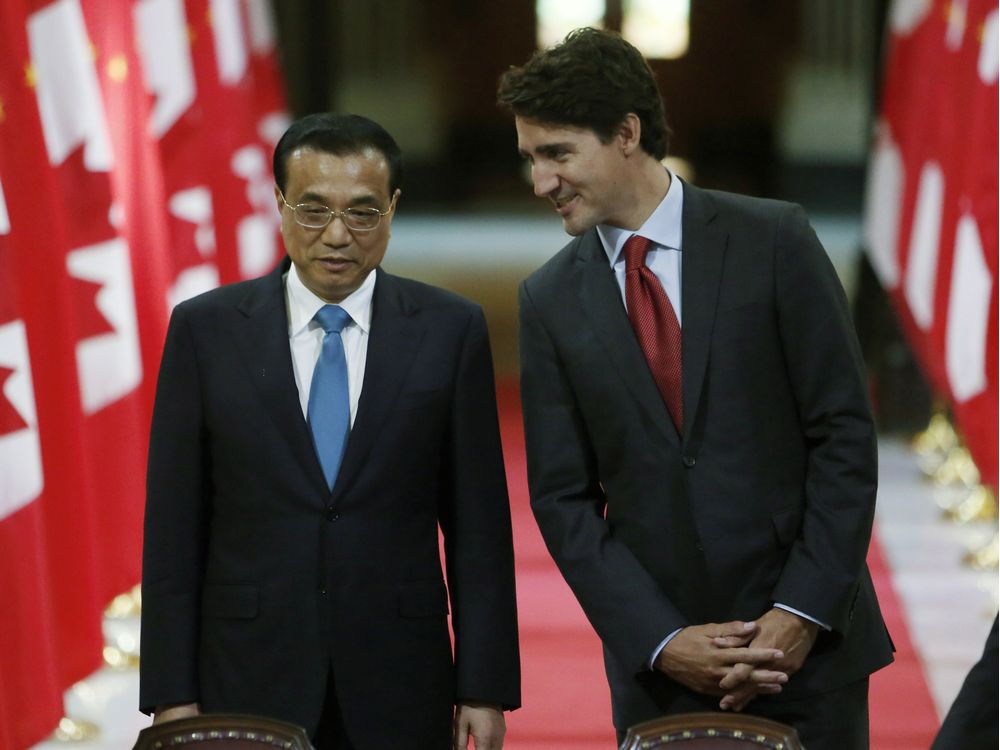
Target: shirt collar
[(303, 304), (663, 227)]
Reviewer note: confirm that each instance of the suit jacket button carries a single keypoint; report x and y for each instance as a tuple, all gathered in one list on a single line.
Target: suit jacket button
[(689, 461), (331, 514)]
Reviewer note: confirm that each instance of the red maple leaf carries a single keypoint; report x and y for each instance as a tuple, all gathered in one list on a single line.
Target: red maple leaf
[(88, 320), (87, 200), (10, 418)]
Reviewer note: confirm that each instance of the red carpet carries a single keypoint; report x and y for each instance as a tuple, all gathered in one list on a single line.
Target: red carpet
[(564, 692)]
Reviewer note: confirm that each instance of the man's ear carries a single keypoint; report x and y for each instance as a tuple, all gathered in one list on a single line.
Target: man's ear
[(278, 199), (629, 133)]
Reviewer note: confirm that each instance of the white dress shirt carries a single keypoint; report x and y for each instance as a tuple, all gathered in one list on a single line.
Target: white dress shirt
[(664, 229), (305, 335)]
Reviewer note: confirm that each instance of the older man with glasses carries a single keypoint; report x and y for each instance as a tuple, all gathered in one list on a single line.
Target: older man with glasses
[(313, 430)]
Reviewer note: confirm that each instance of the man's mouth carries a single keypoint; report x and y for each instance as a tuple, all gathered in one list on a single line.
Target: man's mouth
[(335, 263), (565, 204)]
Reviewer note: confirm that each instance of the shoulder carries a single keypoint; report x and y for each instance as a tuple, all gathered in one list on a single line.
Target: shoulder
[(755, 222), (552, 273), (739, 207), (418, 295), (228, 296)]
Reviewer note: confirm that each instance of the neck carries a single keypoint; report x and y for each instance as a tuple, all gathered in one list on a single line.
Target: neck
[(647, 188)]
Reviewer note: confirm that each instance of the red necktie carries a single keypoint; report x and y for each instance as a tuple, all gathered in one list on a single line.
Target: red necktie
[(655, 325)]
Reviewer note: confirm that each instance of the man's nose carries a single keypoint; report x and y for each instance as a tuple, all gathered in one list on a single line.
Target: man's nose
[(336, 233), (543, 180)]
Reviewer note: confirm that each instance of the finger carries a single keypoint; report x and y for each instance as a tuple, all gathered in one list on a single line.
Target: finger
[(752, 655), (737, 628), (739, 674), (461, 736), (731, 641), (738, 699), (769, 689), (740, 705), (768, 676), (735, 701)]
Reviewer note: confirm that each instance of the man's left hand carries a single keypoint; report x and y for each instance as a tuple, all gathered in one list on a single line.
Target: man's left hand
[(483, 722), (777, 628)]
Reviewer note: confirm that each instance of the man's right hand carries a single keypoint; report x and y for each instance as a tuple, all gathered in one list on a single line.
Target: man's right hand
[(700, 656), (169, 713)]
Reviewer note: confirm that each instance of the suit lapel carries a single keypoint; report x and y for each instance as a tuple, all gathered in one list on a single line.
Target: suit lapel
[(393, 341), (262, 339), (603, 306), (704, 247)]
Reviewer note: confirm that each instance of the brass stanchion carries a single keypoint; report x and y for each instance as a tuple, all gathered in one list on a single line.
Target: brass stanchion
[(75, 730), (125, 605), (121, 650), (980, 504), (985, 557), (933, 445)]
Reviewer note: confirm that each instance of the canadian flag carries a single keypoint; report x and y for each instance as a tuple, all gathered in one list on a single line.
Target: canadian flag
[(243, 95), (21, 477), (50, 635), (931, 214), (133, 173), (177, 125), (70, 103)]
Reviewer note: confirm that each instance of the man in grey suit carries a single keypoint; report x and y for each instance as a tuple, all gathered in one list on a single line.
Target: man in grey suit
[(313, 430), (701, 456)]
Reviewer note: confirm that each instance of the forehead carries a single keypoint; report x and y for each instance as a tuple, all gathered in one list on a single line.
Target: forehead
[(322, 173), (533, 135)]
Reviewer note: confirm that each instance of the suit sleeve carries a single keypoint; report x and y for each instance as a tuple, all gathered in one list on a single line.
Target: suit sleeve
[(175, 527), (628, 609), (475, 521), (826, 372)]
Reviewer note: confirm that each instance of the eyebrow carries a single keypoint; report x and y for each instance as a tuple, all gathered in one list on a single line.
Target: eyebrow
[(360, 200), (547, 149)]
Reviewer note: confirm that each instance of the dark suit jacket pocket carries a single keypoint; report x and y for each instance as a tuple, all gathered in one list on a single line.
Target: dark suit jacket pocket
[(416, 399), (423, 600), (787, 524), (230, 600)]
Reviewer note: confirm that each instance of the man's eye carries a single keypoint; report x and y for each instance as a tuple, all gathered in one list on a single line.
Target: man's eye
[(313, 209), (362, 213)]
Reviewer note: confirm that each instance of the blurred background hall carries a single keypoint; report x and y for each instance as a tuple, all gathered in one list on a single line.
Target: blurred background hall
[(135, 143)]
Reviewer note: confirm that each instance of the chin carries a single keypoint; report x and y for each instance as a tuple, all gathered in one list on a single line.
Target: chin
[(577, 227)]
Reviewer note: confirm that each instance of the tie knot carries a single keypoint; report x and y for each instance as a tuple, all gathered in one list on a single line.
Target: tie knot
[(332, 318), (635, 252)]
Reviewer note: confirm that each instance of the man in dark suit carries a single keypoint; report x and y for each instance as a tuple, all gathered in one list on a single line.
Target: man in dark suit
[(300, 469), (701, 458)]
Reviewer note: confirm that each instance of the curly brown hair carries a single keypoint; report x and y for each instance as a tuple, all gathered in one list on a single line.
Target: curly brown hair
[(592, 79)]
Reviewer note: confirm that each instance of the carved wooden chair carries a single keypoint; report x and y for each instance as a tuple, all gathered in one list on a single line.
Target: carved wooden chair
[(223, 732), (711, 731)]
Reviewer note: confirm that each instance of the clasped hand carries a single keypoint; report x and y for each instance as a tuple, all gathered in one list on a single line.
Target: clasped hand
[(739, 660)]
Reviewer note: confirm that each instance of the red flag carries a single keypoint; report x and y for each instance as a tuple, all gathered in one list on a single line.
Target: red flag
[(931, 217), (242, 113), (106, 166), (51, 634), (72, 85), (177, 124)]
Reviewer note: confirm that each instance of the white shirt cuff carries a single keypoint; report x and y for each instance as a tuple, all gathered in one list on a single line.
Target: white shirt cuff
[(803, 615), (658, 649)]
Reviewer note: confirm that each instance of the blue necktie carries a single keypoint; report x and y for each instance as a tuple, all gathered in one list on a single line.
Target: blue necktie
[(329, 399)]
